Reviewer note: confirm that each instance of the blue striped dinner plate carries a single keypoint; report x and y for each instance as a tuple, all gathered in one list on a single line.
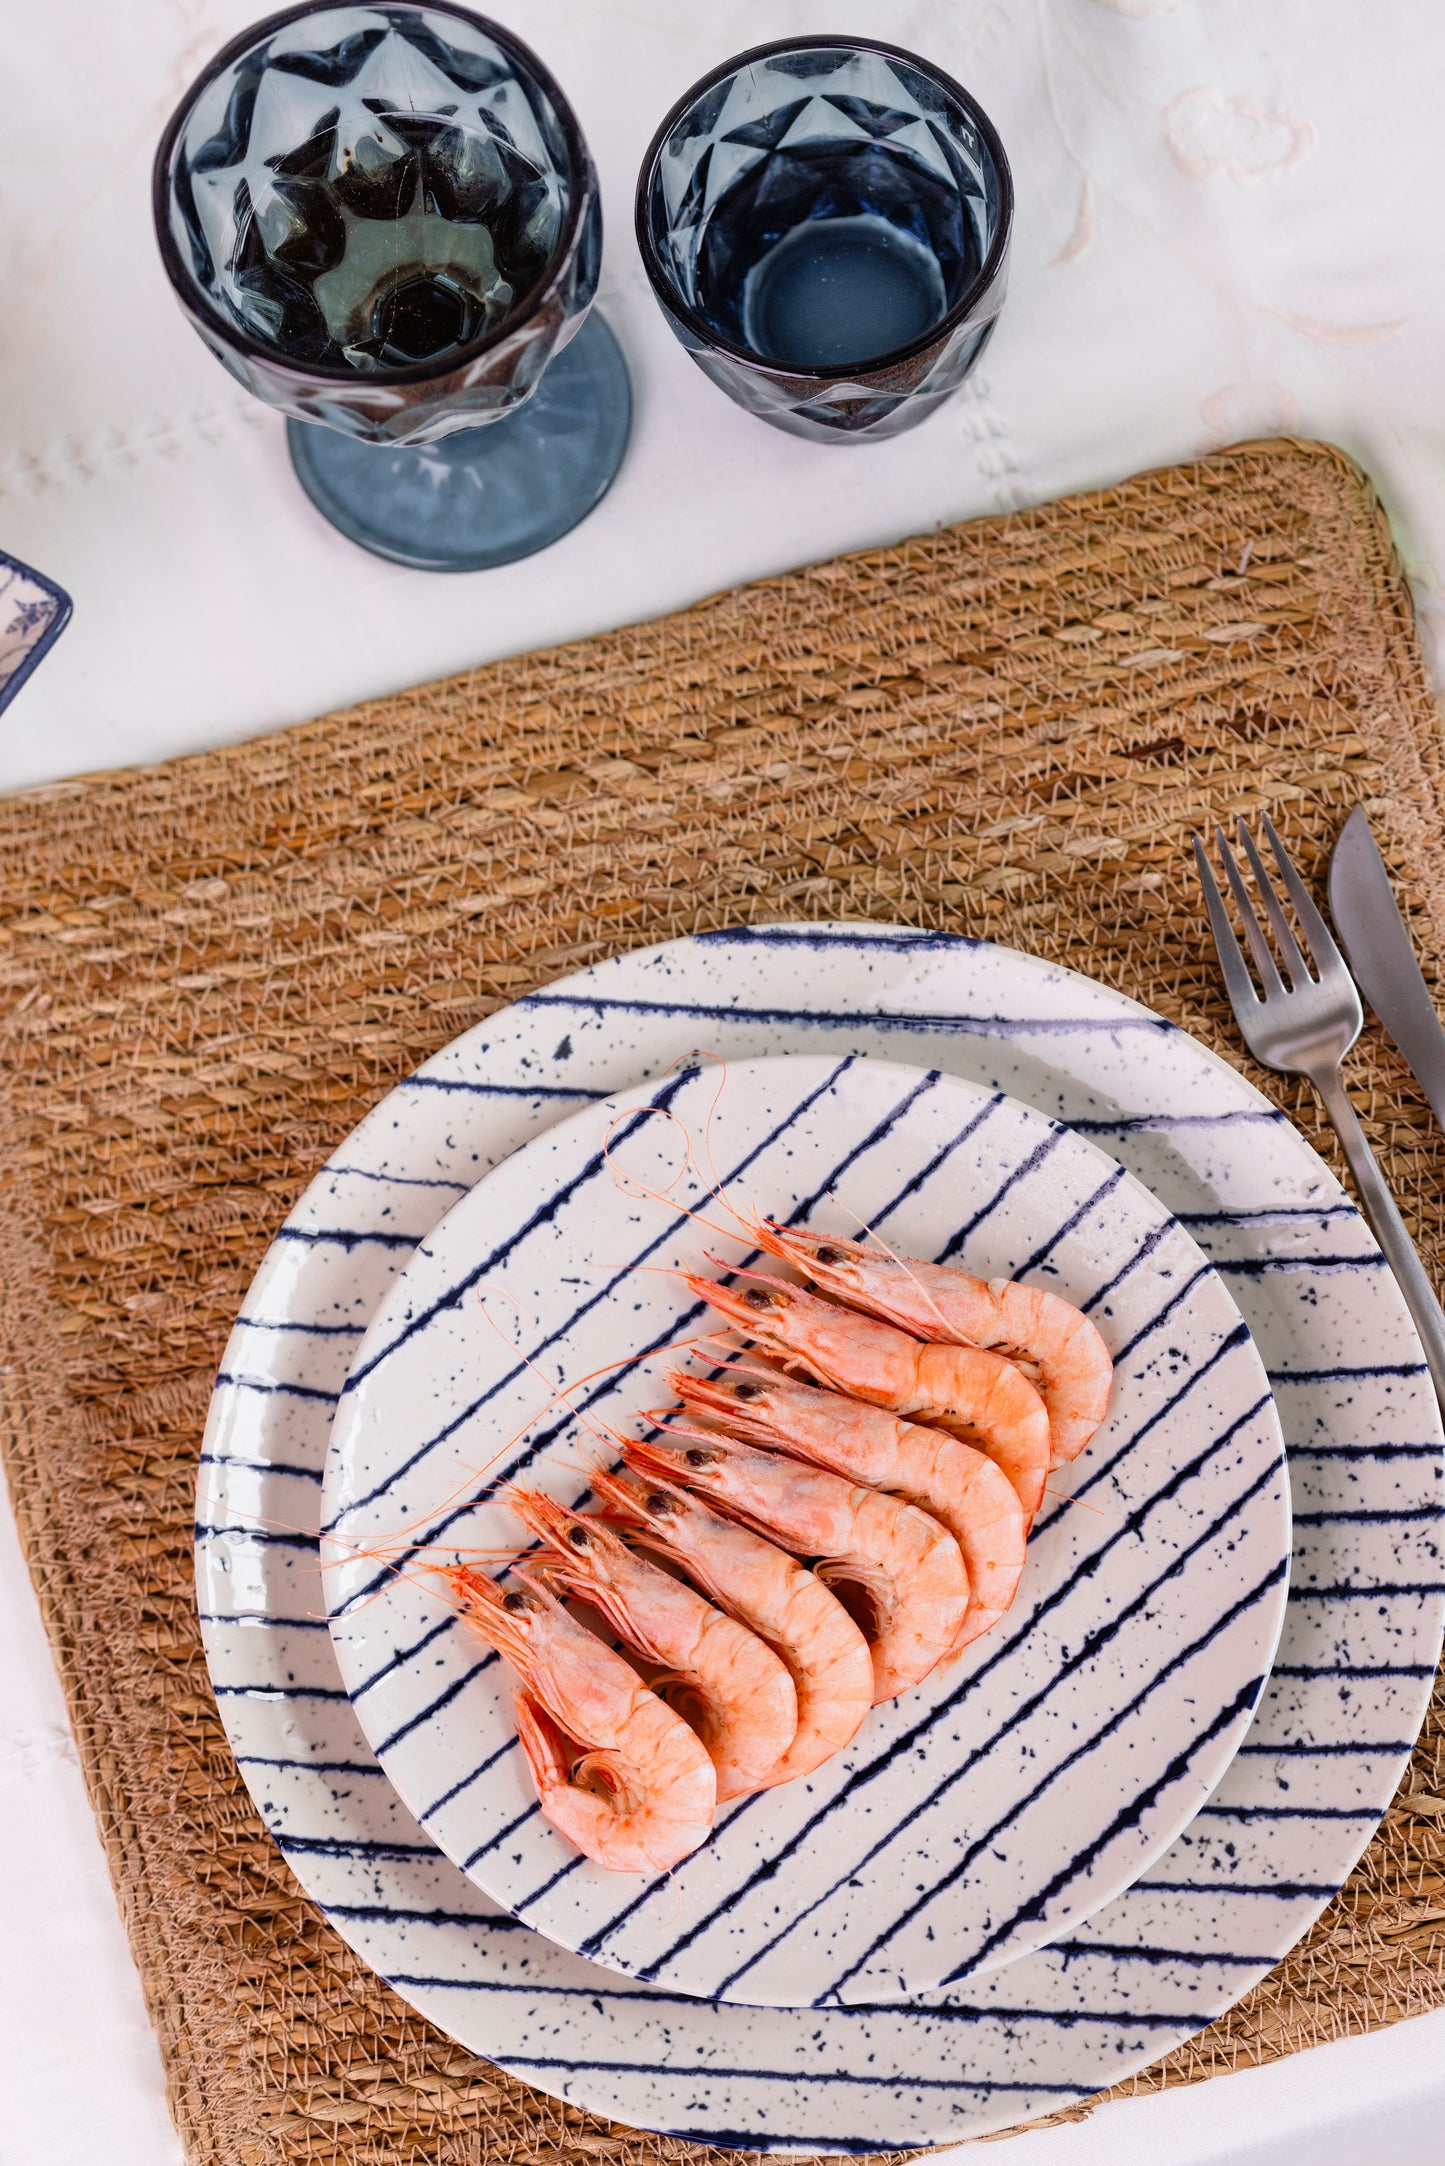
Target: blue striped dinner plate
[(1236, 1888), (990, 1808)]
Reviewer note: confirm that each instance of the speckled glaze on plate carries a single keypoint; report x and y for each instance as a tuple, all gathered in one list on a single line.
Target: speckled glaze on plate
[(1238, 1886), (997, 1803)]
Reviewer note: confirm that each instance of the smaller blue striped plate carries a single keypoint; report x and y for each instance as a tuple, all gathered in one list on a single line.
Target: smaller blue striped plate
[(1011, 1794)]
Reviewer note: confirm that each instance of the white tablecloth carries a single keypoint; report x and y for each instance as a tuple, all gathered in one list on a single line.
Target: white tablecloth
[(1228, 225)]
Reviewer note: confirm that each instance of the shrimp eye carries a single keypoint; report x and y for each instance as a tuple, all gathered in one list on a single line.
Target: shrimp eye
[(697, 1458), (578, 1537), (830, 1255), (515, 1602), (656, 1502), (757, 1297), (747, 1391)]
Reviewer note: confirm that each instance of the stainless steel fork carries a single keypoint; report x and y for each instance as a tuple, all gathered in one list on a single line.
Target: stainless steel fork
[(1306, 1028)]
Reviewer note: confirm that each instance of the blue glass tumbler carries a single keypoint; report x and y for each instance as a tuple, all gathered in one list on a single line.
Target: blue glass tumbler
[(384, 221), (825, 223)]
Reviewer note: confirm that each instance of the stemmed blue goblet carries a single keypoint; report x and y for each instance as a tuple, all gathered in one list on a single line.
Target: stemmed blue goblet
[(384, 221)]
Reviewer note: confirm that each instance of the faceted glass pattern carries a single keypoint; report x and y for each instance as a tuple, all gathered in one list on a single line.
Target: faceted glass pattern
[(839, 130), (381, 218)]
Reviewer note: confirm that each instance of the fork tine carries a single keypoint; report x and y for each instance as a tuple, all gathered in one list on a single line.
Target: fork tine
[(1259, 947), (1318, 937), (1283, 930), (1237, 981)]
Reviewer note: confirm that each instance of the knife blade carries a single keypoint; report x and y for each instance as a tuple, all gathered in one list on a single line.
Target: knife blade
[(1377, 943)]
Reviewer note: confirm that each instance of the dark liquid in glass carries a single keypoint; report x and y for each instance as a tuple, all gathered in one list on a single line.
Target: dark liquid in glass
[(424, 240), (834, 252)]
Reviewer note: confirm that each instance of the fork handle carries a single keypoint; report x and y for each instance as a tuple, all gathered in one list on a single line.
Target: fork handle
[(1387, 1225)]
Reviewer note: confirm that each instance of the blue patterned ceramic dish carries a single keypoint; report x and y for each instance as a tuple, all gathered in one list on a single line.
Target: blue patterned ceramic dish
[(994, 1805), (1258, 1862), (33, 614)]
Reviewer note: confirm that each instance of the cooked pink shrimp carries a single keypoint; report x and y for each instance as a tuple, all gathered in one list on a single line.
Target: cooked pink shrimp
[(640, 1794), (966, 1389), (960, 1486), (773, 1595), (743, 1694), (905, 1563), (936, 1301)]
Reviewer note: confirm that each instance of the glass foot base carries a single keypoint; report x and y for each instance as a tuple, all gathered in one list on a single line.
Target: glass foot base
[(483, 496)]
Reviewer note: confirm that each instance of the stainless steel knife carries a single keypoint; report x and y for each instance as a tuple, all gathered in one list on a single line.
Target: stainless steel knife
[(1377, 944)]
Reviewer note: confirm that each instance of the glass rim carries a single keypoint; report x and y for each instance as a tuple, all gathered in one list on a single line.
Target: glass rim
[(836, 371), (196, 302)]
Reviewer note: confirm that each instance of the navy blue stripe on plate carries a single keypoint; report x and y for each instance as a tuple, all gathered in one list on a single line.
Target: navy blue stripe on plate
[(394, 1180), (1075, 1219), (475, 1087), (901, 939), (485, 1921), (233, 1461), (280, 1692), (1364, 1518), (316, 1331), (347, 1237), (1347, 1371), (508, 1745), (1266, 1214), (337, 1846), (1036, 1157), (1291, 1812), (1276, 1890), (1127, 1123), (1110, 1951), (405, 1654), (1364, 1451), (1257, 1266), (802, 2075), (880, 1019), (263, 1620), (310, 1767), (443, 1699), (1380, 1591), (1352, 1750), (1145, 1249), (1353, 1669), (274, 1387), (1156, 1322), (1091, 1645), (258, 1537)]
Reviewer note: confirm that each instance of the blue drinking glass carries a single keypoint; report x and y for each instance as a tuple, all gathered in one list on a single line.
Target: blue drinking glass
[(384, 221), (825, 223)]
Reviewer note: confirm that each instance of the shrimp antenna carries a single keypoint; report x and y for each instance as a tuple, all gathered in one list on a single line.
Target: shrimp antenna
[(631, 1184)]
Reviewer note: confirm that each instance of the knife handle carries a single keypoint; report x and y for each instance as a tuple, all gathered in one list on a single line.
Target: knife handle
[(1387, 1225)]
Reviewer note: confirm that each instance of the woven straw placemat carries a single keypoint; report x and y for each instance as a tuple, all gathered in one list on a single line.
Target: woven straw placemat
[(210, 970)]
